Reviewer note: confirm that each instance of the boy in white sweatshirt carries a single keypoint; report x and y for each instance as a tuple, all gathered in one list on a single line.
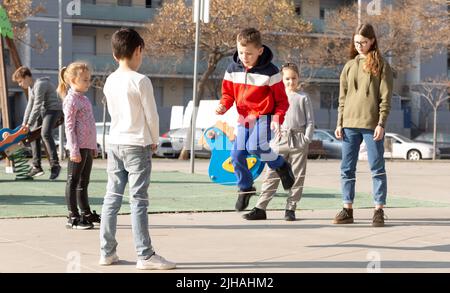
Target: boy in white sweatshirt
[(133, 137)]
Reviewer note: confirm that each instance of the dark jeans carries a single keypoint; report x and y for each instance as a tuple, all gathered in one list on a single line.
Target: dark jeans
[(77, 183), (48, 121)]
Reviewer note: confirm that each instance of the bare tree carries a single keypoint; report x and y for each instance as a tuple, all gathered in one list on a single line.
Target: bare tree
[(405, 29), (172, 31), (18, 11), (435, 92), (98, 82)]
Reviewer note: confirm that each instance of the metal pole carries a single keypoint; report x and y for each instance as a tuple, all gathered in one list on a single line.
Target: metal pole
[(359, 12), (60, 65), (194, 99)]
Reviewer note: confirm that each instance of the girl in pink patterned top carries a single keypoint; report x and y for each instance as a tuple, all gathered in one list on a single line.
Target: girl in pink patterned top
[(74, 82)]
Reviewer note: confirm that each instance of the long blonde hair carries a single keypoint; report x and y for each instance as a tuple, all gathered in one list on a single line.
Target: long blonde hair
[(69, 73), (374, 61)]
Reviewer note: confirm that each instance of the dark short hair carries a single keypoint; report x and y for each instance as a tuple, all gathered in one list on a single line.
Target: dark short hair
[(21, 73), (249, 36), (125, 41)]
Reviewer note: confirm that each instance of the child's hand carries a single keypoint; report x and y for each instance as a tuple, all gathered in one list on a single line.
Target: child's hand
[(338, 132), (378, 134), (154, 147), (275, 127), (220, 109), (75, 159)]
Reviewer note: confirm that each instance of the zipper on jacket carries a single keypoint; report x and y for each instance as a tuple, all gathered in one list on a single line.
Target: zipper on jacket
[(245, 85)]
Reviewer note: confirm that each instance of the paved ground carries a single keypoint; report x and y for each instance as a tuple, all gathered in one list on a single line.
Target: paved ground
[(415, 239)]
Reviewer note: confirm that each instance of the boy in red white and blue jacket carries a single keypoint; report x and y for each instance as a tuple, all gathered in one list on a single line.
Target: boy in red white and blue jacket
[(255, 84)]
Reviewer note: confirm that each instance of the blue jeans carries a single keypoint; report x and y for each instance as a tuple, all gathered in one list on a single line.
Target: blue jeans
[(353, 138), (253, 141), (131, 164)]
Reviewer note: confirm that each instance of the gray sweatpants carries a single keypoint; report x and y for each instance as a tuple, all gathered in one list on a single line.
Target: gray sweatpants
[(297, 157)]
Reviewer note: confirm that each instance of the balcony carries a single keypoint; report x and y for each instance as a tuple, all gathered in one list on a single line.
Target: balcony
[(164, 67), (116, 13), (318, 25)]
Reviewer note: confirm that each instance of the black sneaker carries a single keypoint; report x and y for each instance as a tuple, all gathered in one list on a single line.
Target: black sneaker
[(244, 198), (55, 170), (378, 218), (286, 175), (79, 223), (289, 215), (255, 214), (35, 172), (345, 216), (93, 217)]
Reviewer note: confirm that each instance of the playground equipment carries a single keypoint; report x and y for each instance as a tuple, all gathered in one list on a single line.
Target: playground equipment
[(12, 147), (220, 140)]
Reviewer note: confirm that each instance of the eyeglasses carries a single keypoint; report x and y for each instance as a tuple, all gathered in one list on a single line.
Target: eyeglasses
[(362, 44)]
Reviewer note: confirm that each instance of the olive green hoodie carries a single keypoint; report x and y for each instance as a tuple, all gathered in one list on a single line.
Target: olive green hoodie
[(364, 99)]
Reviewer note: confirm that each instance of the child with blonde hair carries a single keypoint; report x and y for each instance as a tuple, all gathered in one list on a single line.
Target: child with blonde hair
[(292, 143), (74, 82)]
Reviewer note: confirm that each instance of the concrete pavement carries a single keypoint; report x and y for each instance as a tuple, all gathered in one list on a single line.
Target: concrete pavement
[(414, 240)]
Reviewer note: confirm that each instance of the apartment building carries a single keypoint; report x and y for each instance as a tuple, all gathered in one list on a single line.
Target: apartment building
[(87, 35)]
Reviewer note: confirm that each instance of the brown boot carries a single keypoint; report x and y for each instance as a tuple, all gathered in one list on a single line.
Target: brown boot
[(378, 218), (345, 216)]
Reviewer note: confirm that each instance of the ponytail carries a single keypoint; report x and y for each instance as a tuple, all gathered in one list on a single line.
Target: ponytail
[(66, 74), (62, 85)]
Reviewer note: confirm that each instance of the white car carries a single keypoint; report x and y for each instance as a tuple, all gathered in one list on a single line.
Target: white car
[(99, 127), (171, 143), (397, 146)]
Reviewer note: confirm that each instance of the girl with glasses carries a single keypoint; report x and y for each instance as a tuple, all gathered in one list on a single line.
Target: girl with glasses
[(366, 85)]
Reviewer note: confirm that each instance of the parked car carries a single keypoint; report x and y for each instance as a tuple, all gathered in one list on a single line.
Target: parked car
[(171, 143), (443, 142), (99, 127), (67, 151), (165, 149), (330, 143), (397, 146)]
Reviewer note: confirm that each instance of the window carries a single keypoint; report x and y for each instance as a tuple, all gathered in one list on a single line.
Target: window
[(448, 63), (329, 100), (298, 10), (322, 13), (124, 2), (320, 136), (7, 57), (148, 3)]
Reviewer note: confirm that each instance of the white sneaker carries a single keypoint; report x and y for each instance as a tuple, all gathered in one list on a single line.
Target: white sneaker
[(155, 262), (108, 260)]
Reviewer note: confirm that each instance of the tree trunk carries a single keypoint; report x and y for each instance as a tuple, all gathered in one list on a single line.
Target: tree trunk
[(434, 132), (213, 59), (13, 52)]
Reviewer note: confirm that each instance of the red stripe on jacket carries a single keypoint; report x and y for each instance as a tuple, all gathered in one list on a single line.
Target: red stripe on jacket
[(254, 100)]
